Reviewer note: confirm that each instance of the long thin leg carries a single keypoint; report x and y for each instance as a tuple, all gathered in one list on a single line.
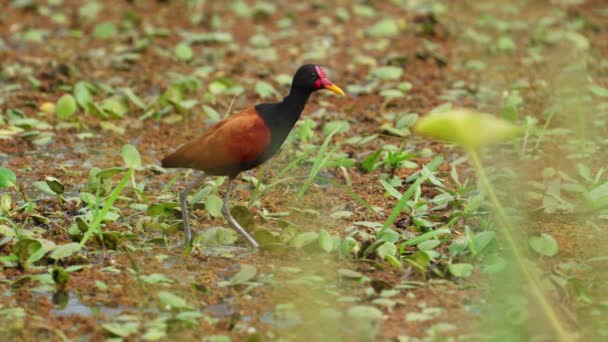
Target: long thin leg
[(233, 222), (183, 196)]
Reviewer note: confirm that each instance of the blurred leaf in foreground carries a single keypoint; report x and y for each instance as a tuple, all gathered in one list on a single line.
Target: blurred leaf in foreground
[(466, 127)]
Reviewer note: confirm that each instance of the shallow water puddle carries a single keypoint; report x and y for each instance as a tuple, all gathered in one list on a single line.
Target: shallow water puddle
[(68, 304)]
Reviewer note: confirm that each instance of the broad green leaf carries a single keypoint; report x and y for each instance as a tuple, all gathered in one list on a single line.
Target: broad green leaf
[(5, 203), (104, 30), (183, 52), (341, 126), (326, 242), (346, 273), (121, 329), (216, 236), (131, 156), (246, 273), (388, 235), (348, 246), (364, 321), (265, 90), (598, 91), (65, 107), (213, 204), (130, 94), (365, 312), (114, 107), (83, 95), (172, 301), (27, 250), (212, 114), (384, 28), (243, 216), (303, 239), (157, 278), (387, 248), (544, 244), (7, 178), (419, 261), (393, 261), (60, 275), (64, 251), (55, 185), (461, 270), (388, 72), (466, 127), (44, 187)]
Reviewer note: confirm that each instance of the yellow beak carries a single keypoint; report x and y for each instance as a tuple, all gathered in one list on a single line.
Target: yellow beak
[(334, 88)]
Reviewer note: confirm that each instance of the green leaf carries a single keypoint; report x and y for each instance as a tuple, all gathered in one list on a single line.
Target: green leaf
[(65, 107), (598, 91), (388, 72), (104, 30), (121, 329), (543, 244), (303, 239), (326, 242), (461, 270), (466, 127), (44, 187), (172, 301), (60, 275), (364, 321), (55, 185), (393, 261), (83, 95), (183, 52), (131, 156), (7, 178), (157, 278), (246, 273), (114, 107), (243, 216), (370, 163), (428, 235), (216, 236), (265, 90), (130, 94), (419, 261), (341, 126), (346, 273), (365, 312), (348, 246), (387, 248), (213, 204), (26, 249), (211, 113), (64, 251), (384, 28)]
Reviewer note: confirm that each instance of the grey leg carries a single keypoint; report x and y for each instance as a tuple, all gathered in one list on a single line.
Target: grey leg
[(233, 222), (183, 196)]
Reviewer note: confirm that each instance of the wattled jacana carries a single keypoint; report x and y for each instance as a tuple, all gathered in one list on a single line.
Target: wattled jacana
[(246, 140)]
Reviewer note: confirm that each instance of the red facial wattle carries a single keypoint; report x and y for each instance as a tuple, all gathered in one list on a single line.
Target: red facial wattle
[(324, 82)]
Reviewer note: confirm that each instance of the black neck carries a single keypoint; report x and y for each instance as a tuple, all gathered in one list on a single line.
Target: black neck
[(293, 104), (280, 117)]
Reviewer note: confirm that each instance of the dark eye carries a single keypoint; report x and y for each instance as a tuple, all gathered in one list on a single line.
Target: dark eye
[(314, 74)]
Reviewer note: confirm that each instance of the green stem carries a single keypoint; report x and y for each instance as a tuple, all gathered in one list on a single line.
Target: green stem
[(106, 207), (532, 281), (22, 193)]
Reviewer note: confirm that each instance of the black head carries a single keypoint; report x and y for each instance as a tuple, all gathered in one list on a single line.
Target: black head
[(310, 78)]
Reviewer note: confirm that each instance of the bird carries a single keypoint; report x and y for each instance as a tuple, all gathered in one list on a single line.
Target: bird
[(245, 140)]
